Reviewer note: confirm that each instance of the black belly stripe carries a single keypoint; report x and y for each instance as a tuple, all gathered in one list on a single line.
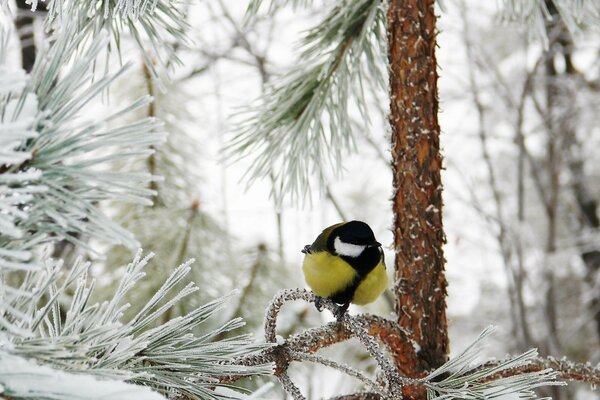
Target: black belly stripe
[(363, 264), (345, 296)]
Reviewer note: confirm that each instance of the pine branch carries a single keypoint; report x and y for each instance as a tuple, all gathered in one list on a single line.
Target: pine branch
[(302, 120), (567, 370), (69, 184), (458, 378), (94, 337), (54, 159), (156, 26)]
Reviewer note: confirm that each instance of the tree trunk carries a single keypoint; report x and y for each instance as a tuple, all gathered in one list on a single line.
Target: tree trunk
[(420, 284)]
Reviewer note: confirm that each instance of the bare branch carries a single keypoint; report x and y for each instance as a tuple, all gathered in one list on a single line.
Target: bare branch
[(358, 396), (298, 356), (353, 325), (289, 386), (567, 370)]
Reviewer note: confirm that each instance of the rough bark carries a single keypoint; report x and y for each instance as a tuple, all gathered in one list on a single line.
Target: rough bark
[(420, 285)]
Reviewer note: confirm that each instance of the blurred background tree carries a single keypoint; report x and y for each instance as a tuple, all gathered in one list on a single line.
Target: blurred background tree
[(533, 105)]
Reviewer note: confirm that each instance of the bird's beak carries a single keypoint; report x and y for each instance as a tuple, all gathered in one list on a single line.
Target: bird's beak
[(375, 244)]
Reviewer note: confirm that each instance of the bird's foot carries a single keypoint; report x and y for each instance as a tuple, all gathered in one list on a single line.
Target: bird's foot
[(306, 249), (341, 311), (318, 305)]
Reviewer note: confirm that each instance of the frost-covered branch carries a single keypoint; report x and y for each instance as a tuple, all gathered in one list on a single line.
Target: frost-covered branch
[(16, 374), (54, 159), (461, 377), (156, 26), (297, 356), (301, 123), (80, 335), (282, 359)]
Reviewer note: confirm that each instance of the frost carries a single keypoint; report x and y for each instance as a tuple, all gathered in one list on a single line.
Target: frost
[(24, 378), (231, 394), (415, 346), (11, 80), (432, 208), (16, 126), (279, 340)]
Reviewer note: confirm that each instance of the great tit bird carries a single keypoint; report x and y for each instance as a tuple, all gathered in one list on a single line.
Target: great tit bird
[(345, 264)]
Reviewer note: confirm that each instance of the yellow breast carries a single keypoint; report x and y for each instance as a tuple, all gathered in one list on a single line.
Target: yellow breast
[(327, 274), (371, 286)]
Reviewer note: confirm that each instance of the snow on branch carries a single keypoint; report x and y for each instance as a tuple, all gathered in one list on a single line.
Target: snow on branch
[(464, 376), (57, 160), (80, 335), (54, 159), (17, 373)]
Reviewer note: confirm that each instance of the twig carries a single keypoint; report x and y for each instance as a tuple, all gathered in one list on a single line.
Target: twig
[(289, 386), (335, 203), (395, 381), (185, 242), (298, 356), (567, 370), (358, 396), (353, 325), (151, 112)]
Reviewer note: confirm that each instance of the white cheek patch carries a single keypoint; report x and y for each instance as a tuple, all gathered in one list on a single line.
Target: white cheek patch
[(347, 249)]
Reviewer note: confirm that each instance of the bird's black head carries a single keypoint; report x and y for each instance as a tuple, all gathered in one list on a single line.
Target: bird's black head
[(352, 238), (356, 232)]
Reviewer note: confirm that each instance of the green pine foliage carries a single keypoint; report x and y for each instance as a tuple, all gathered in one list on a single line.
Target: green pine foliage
[(301, 126)]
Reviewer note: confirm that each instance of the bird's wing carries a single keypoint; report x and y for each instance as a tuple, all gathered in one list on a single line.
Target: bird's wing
[(320, 243)]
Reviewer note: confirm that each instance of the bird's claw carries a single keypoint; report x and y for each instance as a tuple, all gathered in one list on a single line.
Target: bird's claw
[(318, 305), (341, 311)]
